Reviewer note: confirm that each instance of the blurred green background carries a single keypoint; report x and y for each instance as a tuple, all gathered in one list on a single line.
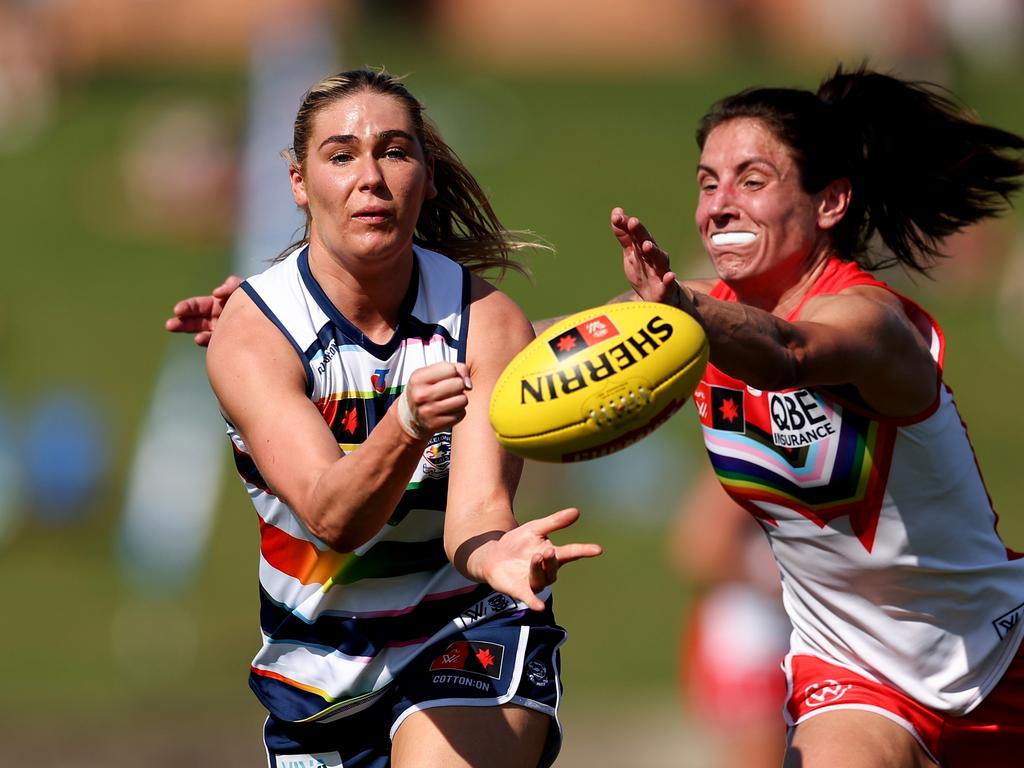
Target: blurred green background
[(100, 241)]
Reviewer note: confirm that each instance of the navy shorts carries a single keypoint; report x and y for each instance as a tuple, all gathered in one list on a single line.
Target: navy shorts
[(512, 659)]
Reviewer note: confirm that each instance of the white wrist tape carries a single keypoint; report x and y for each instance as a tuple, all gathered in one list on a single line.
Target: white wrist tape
[(408, 421)]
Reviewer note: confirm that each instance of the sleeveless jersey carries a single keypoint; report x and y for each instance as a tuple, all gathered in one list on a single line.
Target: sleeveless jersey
[(882, 528), (337, 628)]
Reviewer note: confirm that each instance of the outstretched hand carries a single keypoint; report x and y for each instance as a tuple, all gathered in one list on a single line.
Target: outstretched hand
[(522, 561), (646, 265), (198, 314)]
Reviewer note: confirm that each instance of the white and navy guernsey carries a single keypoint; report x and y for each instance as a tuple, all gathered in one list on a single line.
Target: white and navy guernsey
[(337, 628)]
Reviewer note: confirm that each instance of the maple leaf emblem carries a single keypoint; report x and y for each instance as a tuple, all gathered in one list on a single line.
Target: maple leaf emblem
[(566, 343), (350, 421), (729, 410), (485, 658)]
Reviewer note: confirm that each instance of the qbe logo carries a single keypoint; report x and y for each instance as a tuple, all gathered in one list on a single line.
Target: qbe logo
[(799, 419)]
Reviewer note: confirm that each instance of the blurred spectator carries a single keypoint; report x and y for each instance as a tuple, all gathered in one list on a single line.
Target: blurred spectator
[(180, 169), (10, 475), (1010, 304), (66, 457), (989, 33), (736, 633), (916, 35), (26, 79), (88, 35)]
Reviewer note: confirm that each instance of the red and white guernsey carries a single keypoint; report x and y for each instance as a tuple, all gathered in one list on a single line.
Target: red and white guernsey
[(882, 528)]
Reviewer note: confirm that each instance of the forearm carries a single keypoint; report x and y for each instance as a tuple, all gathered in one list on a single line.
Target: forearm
[(747, 343), (357, 494), (473, 520)]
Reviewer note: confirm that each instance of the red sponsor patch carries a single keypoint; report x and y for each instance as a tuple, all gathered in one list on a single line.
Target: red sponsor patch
[(472, 656), (598, 329), (702, 402), (582, 336)]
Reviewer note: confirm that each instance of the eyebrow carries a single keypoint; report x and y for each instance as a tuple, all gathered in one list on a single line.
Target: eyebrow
[(348, 138), (742, 166)]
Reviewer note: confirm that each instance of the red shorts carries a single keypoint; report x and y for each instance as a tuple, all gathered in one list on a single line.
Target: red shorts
[(991, 735)]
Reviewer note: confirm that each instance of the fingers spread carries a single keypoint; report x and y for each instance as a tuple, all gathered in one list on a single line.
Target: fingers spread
[(567, 553), (556, 521)]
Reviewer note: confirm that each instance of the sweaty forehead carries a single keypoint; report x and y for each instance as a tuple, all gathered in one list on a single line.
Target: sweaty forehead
[(743, 141), (361, 114)]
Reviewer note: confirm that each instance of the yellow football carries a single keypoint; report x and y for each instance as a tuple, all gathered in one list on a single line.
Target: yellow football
[(597, 381)]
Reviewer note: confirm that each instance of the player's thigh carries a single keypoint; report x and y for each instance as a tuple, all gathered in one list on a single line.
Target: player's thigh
[(507, 736), (853, 738)]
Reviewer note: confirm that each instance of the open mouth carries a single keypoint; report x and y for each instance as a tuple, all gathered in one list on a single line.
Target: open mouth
[(732, 238)]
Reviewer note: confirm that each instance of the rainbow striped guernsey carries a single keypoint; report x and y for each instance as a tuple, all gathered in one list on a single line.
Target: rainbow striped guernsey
[(338, 627)]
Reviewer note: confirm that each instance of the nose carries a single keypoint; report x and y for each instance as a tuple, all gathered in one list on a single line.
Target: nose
[(720, 205), (721, 201), (370, 175)]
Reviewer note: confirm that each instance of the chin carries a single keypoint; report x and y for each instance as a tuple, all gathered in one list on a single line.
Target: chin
[(730, 267)]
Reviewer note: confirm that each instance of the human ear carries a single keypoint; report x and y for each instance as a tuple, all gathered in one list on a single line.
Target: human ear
[(298, 183), (833, 202)]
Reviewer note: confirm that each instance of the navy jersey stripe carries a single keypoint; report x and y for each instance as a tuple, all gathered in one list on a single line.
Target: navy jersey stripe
[(248, 470), (430, 494), (364, 636), (467, 296), (388, 559)]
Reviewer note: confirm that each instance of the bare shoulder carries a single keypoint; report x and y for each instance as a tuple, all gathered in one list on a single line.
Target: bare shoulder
[(495, 310), (246, 341), (498, 326), (865, 306)]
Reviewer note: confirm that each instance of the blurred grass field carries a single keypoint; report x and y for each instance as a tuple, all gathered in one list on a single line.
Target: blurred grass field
[(86, 291)]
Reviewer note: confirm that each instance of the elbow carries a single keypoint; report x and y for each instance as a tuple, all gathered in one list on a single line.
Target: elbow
[(785, 371), (337, 535)]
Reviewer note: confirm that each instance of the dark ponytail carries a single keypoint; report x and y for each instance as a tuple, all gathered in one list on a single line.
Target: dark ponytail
[(921, 166)]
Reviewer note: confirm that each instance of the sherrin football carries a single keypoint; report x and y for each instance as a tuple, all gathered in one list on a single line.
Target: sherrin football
[(598, 381)]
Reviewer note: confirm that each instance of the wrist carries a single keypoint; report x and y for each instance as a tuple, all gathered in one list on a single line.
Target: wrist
[(676, 296), (408, 421), (472, 558)]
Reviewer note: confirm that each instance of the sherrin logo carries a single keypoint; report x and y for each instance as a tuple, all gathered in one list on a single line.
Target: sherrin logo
[(538, 388)]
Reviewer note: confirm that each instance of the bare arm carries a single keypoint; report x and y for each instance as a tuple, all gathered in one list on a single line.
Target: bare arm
[(713, 540), (342, 499), (482, 536), (859, 336)]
